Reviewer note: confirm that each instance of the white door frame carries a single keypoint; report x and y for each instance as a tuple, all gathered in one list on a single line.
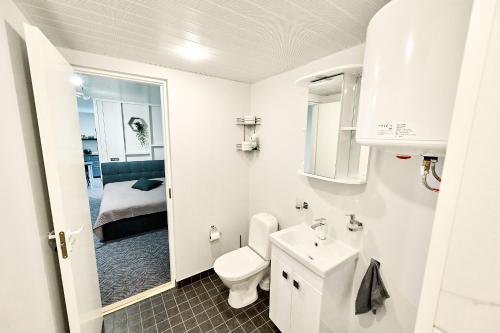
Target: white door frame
[(476, 49), (162, 83)]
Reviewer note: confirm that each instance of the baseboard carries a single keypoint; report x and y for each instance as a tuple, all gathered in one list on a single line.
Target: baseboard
[(194, 278), (151, 292), (136, 298)]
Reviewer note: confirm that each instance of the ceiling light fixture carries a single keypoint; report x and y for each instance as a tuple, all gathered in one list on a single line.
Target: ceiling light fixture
[(76, 80), (192, 51)]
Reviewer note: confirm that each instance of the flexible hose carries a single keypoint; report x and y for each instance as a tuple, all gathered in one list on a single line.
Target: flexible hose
[(434, 173), (427, 165), (424, 181)]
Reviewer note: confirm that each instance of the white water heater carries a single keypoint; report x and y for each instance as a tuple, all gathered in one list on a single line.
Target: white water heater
[(412, 63)]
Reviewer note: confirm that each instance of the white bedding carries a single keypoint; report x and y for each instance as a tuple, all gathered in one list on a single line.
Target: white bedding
[(120, 201)]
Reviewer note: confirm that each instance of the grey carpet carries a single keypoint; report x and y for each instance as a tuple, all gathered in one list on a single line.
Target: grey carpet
[(130, 265)]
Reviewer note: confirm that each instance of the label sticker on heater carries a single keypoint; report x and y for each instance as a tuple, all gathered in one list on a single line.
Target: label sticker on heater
[(385, 129), (397, 130), (404, 131)]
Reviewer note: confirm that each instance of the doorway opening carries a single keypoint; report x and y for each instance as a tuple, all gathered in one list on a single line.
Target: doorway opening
[(123, 132)]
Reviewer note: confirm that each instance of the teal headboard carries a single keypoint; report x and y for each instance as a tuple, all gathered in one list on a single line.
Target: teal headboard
[(113, 172)]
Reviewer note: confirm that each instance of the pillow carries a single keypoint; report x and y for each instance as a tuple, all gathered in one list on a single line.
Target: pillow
[(144, 184)]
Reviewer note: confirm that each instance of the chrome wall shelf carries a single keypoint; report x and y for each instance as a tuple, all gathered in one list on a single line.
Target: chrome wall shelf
[(250, 123), (246, 122)]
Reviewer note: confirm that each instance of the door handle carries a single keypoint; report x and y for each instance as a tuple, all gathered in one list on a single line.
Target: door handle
[(67, 240), (285, 275), (296, 284), (62, 242), (71, 237)]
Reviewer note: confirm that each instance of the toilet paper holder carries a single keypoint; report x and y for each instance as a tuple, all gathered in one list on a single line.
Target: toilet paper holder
[(213, 230)]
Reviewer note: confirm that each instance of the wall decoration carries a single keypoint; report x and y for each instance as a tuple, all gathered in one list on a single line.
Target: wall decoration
[(137, 129), (128, 131), (140, 127)]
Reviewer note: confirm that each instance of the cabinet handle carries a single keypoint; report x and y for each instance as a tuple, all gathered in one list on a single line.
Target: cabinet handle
[(285, 275), (295, 284)]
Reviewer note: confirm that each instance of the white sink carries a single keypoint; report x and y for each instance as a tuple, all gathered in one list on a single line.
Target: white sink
[(320, 256)]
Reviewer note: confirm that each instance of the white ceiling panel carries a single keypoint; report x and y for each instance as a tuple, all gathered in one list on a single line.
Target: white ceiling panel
[(243, 40)]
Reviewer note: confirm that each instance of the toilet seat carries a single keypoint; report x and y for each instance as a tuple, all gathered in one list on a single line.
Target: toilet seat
[(239, 264)]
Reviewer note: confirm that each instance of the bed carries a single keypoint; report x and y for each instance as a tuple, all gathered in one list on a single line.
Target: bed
[(126, 211)]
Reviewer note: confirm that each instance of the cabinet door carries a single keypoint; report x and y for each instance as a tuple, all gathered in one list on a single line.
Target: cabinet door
[(96, 167), (110, 131), (281, 293), (305, 309)]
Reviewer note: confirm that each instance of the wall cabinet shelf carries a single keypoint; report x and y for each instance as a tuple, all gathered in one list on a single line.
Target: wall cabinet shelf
[(331, 151), (340, 180)]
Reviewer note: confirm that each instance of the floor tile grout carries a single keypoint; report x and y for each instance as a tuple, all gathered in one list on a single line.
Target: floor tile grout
[(253, 318)]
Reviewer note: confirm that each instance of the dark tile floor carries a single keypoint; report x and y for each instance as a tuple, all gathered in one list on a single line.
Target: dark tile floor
[(198, 307)]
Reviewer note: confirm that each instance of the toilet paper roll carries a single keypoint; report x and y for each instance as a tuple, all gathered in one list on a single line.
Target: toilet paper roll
[(214, 235)]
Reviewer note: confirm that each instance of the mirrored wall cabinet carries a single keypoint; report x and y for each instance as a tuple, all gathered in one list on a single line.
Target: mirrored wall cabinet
[(331, 151)]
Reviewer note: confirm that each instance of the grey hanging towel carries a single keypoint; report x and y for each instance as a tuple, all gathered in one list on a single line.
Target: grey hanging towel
[(372, 292)]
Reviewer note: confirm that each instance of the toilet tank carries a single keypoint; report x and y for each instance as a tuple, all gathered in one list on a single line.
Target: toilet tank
[(261, 225), (412, 62)]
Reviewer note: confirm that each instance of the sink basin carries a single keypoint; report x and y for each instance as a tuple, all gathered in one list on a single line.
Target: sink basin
[(320, 256)]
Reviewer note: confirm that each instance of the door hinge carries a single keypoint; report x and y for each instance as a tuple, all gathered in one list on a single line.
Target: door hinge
[(169, 193), (62, 240)]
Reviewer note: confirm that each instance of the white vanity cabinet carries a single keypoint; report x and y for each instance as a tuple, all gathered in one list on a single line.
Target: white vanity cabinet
[(302, 301), (294, 301), (305, 306)]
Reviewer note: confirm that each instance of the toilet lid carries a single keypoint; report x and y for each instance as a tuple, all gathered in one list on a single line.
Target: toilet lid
[(239, 264)]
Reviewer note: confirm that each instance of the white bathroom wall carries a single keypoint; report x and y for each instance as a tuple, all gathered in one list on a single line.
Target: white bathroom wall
[(210, 178), (30, 290), (87, 123), (396, 210)]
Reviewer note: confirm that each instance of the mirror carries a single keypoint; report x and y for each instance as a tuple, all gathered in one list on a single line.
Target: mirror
[(323, 121), (331, 151)]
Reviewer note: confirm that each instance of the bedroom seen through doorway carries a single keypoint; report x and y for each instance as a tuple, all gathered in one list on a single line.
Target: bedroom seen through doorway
[(123, 146)]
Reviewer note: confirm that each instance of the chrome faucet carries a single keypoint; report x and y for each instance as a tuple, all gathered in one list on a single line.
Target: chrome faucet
[(354, 225), (321, 224)]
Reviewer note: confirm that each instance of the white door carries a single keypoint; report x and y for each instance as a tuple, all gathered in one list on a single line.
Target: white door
[(55, 102), (280, 297), (156, 126), (110, 131), (306, 306), (157, 152)]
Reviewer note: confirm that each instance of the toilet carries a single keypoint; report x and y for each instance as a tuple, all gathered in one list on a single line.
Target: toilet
[(242, 269)]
